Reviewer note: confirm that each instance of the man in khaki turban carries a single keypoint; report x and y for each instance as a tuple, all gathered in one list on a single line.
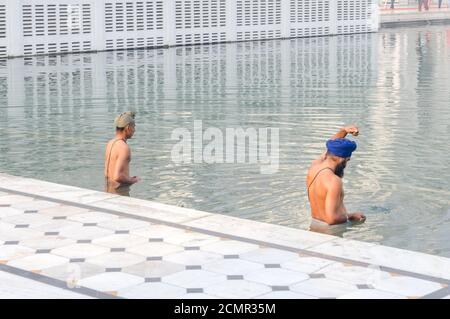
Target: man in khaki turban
[(118, 156)]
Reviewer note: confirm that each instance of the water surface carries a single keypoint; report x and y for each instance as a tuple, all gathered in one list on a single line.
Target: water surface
[(56, 115)]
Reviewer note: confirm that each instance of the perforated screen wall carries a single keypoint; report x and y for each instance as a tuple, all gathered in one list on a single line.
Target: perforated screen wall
[(32, 27)]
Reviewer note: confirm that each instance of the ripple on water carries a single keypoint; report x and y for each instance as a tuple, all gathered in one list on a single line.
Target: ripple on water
[(394, 85)]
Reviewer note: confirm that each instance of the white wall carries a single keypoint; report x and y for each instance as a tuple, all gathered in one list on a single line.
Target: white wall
[(30, 27)]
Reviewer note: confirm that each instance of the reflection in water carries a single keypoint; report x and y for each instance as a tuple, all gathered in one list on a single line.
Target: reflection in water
[(57, 114), (122, 190), (319, 226)]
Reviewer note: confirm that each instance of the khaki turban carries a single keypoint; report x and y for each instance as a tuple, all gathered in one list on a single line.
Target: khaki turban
[(124, 119)]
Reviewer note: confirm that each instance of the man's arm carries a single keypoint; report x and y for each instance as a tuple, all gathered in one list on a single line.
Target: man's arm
[(353, 217), (120, 169), (335, 211), (342, 133), (334, 214)]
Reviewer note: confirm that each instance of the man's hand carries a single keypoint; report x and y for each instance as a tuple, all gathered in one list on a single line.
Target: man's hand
[(352, 129), (357, 217), (135, 180)]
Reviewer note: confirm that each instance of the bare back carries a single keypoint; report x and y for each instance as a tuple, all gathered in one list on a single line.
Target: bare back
[(117, 159), (318, 182)]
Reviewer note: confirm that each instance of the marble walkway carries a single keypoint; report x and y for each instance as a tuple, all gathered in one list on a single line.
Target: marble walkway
[(411, 16), (59, 241)]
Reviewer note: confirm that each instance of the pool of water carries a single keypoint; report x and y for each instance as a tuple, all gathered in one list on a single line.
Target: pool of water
[(56, 115)]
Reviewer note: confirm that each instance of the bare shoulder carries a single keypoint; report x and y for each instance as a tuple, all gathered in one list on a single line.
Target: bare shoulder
[(311, 170), (117, 146), (123, 147), (318, 171), (333, 182), (315, 165)]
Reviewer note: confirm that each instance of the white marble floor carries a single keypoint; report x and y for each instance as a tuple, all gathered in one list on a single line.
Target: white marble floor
[(59, 241)]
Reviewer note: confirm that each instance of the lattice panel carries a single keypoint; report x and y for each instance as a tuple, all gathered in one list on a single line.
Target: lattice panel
[(56, 19), (355, 16), (2, 21), (131, 16), (258, 35), (354, 10), (130, 43), (200, 21), (60, 26), (191, 14), (3, 52), (347, 29), (199, 38), (57, 47), (304, 11), (258, 12), (309, 32)]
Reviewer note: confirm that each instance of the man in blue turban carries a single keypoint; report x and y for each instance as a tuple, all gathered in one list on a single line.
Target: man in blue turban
[(324, 180)]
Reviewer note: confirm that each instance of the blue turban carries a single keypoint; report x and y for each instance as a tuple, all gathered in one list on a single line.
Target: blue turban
[(341, 147)]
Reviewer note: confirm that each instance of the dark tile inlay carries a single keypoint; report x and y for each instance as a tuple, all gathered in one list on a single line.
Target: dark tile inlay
[(117, 250), (113, 269), (77, 260), (155, 240), (11, 242), (280, 288), (154, 279), (43, 251), (122, 232), (316, 276), (193, 267), (89, 224), (52, 233), (60, 217), (194, 290), (231, 256), (261, 243), (22, 226), (154, 258), (84, 241), (192, 248), (60, 284), (364, 286), (272, 266), (30, 212), (235, 277)]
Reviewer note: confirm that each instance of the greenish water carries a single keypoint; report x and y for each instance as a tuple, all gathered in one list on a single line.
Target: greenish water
[(57, 112)]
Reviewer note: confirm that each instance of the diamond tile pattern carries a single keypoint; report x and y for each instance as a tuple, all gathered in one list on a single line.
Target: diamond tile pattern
[(133, 258)]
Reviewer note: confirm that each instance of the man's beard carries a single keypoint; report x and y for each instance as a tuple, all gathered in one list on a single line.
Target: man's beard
[(339, 170)]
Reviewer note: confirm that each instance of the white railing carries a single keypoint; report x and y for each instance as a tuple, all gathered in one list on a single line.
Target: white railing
[(32, 27)]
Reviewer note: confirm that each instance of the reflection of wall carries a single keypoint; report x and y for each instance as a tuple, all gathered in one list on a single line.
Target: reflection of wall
[(410, 68), (297, 81), (300, 66), (33, 27), (67, 103)]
